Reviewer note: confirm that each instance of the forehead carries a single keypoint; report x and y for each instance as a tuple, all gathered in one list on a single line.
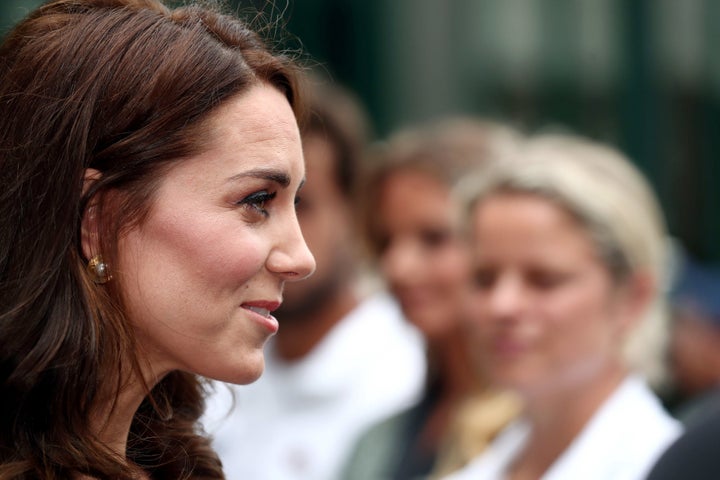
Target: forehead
[(257, 126), (415, 193), (526, 222), (262, 111), (252, 131), (403, 183)]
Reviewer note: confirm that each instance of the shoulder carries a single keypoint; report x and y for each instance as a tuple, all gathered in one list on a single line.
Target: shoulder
[(631, 429), (377, 450), (693, 455), (641, 416)]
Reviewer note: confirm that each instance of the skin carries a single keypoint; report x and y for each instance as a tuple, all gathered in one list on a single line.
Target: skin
[(423, 260), (694, 353), (426, 266), (549, 320), (312, 307), (220, 240)]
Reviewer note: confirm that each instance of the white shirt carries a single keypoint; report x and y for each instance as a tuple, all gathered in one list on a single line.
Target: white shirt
[(621, 441), (300, 420)]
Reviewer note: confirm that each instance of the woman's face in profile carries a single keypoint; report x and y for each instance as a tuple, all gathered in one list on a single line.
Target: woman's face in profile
[(422, 257), (203, 272), (546, 314)]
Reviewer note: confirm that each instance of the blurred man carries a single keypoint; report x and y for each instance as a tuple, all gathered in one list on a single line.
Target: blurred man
[(695, 340), (343, 358), (695, 355)]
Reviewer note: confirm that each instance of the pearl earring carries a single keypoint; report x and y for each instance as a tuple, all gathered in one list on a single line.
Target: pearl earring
[(98, 270)]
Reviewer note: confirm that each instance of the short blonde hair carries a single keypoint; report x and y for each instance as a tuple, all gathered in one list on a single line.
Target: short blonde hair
[(612, 201)]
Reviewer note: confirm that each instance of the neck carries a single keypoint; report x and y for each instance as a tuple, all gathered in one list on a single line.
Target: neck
[(112, 419), (559, 417), (299, 335), (449, 360), (450, 364)]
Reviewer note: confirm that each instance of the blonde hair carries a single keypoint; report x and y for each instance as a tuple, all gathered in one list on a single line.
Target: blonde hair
[(616, 206)]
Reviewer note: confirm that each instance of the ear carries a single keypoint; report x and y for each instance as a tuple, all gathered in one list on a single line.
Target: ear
[(89, 227), (638, 292)]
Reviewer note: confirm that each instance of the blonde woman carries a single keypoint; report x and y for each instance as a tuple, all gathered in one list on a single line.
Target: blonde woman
[(568, 246)]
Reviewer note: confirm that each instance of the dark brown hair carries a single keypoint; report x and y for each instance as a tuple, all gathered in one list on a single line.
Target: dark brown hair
[(337, 114), (123, 87)]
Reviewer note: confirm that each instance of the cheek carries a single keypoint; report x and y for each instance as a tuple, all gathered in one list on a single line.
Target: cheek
[(580, 323), (183, 292), (167, 265), (475, 322), (476, 310), (449, 276)]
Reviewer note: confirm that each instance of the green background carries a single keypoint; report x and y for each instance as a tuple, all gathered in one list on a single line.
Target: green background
[(642, 75)]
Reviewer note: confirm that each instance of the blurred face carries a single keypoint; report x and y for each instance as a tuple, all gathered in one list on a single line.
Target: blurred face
[(204, 271), (546, 313), (422, 258), (326, 221), (695, 358)]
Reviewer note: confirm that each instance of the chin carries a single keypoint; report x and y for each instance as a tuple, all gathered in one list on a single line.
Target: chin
[(511, 379), (244, 374)]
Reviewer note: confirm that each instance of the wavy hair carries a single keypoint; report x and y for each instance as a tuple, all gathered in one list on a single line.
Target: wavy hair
[(123, 87)]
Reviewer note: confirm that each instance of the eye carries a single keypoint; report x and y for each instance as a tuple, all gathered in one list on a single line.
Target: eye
[(483, 278), (258, 201), (381, 242), (433, 238), (544, 280)]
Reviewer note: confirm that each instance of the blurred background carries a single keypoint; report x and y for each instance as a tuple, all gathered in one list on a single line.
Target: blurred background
[(642, 75)]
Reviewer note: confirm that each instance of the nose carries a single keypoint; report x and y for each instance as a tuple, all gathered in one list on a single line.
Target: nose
[(291, 258), (505, 297)]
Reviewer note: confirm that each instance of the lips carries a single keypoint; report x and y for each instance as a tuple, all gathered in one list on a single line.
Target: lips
[(261, 312), (262, 307), (509, 347)]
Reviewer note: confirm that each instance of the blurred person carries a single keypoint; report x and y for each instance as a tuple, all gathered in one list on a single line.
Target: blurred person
[(149, 164), (693, 456), (569, 258), (694, 351), (343, 357), (695, 339), (412, 225)]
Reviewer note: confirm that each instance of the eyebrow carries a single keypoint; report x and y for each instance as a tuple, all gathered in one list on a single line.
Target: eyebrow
[(281, 178)]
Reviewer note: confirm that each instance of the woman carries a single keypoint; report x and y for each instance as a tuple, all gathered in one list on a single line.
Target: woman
[(327, 375), (413, 231), (149, 166), (568, 266)]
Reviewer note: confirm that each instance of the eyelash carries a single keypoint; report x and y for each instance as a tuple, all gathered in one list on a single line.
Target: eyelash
[(258, 200)]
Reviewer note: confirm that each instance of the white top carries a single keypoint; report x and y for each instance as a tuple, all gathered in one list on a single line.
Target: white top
[(621, 441), (300, 420)]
